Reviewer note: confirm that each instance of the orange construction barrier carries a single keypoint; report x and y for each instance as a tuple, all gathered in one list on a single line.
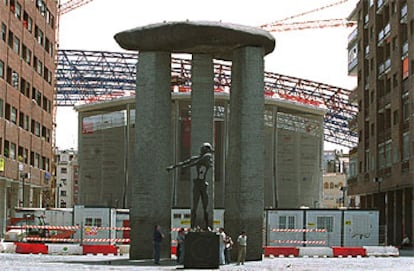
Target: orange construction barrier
[(349, 251), (31, 248), (278, 251), (99, 249)]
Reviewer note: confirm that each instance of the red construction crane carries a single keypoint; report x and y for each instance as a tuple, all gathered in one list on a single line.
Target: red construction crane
[(71, 5), (283, 24)]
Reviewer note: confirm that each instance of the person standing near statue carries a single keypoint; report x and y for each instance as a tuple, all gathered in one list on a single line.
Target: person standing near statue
[(203, 162), (157, 238), (242, 245)]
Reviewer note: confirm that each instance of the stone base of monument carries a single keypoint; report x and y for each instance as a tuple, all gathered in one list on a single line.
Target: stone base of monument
[(201, 250)]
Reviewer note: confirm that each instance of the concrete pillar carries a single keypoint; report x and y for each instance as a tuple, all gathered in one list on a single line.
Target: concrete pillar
[(3, 207), (15, 190), (151, 195), (245, 169), (202, 122)]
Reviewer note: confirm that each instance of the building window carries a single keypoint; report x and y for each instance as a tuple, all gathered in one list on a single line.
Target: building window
[(324, 223), (63, 170), (15, 80), (287, 222), (38, 65), (388, 154), (405, 147), (26, 55), (13, 115), (18, 11), (1, 109), (10, 39), (12, 151), (1, 69), (63, 193), (27, 22), (36, 160), (381, 156), (331, 185), (406, 110), (39, 35), (3, 32), (325, 185), (396, 119)]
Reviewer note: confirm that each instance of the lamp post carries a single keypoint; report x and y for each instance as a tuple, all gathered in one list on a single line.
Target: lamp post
[(344, 190), (378, 180)]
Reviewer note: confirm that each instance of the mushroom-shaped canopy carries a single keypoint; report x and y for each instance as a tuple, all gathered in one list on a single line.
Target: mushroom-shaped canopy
[(215, 38)]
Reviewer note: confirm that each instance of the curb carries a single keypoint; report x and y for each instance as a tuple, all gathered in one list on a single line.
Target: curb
[(340, 252)]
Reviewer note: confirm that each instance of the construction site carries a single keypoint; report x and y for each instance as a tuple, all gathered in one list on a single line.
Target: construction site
[(37, 77)]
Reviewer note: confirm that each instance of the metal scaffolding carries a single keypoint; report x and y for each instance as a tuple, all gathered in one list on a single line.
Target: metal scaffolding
[(84, 76)]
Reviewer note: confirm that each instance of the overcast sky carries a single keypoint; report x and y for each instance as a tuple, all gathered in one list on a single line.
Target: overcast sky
[(318, 54)]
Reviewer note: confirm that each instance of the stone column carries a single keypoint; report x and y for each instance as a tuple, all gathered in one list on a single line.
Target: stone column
[(202, 122), (3, 206), (151, 195), (244, 198)]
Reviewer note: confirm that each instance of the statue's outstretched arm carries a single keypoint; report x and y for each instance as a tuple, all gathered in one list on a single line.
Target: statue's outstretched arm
[(186, 163)]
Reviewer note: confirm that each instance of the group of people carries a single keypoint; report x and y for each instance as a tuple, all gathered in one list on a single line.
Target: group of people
[(225, 246)]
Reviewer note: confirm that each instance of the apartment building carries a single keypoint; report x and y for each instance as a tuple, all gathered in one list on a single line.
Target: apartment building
[(27, 66), (67, 168), (335, 166), (381, 55)]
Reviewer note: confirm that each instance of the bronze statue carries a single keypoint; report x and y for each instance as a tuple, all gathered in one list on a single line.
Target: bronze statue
[(203, 162)]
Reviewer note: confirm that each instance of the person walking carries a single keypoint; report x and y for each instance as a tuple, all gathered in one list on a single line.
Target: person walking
[(227, 249), (242, 244), (157, 238), (222, 245), (180, 246)]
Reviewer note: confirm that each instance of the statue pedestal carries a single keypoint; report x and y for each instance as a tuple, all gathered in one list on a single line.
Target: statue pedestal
[(201, 250)]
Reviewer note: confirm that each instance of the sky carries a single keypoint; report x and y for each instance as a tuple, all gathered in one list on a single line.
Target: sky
[(317, 54)]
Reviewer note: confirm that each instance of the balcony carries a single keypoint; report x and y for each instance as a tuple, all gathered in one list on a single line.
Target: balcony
[(353, 36), (353, 123), (352, 60), (405, 166), (384, 100), (366, 21), (404, 10), (367, 52), (384, 68), (380, 5), (387, 65), (384, 34), (404, 50)]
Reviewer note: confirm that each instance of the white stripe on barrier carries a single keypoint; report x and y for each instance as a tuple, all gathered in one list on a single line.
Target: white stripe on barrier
[(315, 251), (44, 239), (65, 249), (298, 230), (85, 240), (382, 251), (123, 249), (7, 247), (322, 242), (48, 227)]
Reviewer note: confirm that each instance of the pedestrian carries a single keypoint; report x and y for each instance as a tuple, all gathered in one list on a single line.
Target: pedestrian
[(157, 238), (405, 241), (242, 244), (222, 238), (227, 249), (180, 246)]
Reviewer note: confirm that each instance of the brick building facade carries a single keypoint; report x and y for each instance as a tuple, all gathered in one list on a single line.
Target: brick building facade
[(381, 54), (27, 67)]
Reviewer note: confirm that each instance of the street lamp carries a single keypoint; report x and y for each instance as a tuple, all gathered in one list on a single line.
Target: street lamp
[(379, 181), (58, 200), (344, 190)]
